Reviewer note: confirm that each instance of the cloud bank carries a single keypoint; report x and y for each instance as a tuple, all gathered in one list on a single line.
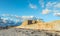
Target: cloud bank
[(52, 7)]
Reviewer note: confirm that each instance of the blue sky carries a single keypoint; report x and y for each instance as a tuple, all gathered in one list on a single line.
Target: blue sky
[(48, 10)]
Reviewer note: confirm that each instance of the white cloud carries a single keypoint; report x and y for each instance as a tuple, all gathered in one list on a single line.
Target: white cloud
[(56, 14), (46, 11), (27, 17), (11, 16), (19, 18), (50, 4), (52, 7), (32, 6)]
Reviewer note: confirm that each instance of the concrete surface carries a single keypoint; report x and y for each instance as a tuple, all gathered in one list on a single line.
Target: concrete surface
[(25, 32)]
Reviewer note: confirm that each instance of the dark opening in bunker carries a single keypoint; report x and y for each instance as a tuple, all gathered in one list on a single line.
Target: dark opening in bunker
[(29, 22)]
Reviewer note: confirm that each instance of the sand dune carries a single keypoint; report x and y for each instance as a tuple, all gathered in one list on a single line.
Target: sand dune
[(53, 25)]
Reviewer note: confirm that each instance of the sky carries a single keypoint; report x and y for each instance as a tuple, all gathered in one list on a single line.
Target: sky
[(48, 10)]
